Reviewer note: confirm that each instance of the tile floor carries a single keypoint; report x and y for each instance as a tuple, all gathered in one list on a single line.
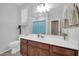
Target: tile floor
[(8, 53)]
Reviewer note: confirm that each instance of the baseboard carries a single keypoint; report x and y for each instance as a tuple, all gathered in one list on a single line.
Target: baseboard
[(4, 51)]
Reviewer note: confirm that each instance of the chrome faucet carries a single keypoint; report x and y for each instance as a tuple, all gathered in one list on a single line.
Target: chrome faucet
[(39, 35), (65, 35)]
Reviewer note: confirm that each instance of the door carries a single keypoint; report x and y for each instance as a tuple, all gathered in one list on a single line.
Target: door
[(54, 27)]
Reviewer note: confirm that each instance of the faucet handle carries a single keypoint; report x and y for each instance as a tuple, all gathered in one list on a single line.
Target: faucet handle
[(65, 35), (38, 35)]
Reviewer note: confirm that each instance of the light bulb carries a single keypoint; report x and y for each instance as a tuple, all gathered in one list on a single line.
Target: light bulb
[(43, 8)]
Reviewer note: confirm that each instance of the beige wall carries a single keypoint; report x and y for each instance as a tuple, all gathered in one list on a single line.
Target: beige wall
[(9, 20)]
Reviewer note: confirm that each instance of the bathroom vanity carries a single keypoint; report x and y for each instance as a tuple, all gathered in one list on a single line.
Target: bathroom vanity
[(34, 46)]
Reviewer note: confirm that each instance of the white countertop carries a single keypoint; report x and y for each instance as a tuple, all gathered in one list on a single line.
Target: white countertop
[(53, 40)]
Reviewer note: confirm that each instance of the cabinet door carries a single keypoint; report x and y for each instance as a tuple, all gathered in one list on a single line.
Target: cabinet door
[(23, 47), (32, 51), (38, 49), (53, 53), (43, 52), (55, 50)]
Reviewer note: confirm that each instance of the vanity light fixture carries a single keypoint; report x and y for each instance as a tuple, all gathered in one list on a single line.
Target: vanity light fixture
[(43, 7)]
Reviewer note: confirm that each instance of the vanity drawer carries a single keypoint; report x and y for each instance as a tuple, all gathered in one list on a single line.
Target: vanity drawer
[(63, 51), (39, 44)]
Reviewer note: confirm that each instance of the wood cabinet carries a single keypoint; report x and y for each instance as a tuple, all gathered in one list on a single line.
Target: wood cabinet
[(23, 47), (60, 51), (33, 48), (37, 49), (39, 44), (43, 52), (32, 51)]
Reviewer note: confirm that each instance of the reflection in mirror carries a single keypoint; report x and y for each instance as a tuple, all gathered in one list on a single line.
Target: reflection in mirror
[(55, 24)]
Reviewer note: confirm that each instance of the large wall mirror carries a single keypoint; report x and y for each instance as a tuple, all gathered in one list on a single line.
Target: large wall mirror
[(53, 23)]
